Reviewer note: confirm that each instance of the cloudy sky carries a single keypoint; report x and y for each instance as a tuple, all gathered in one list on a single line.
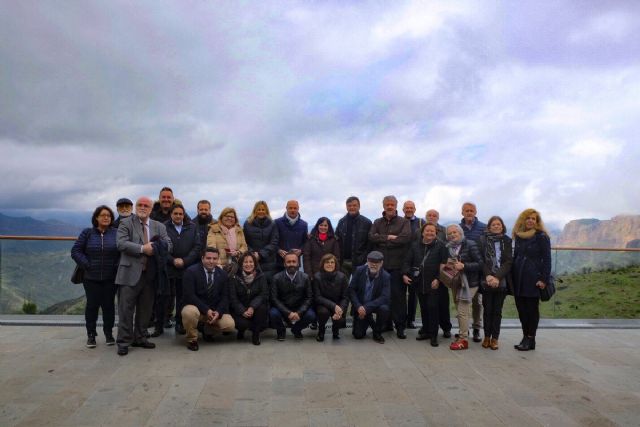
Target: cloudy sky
[(508, 104)]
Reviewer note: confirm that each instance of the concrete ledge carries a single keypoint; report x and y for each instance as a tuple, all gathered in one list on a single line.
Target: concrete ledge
[(78, 320)]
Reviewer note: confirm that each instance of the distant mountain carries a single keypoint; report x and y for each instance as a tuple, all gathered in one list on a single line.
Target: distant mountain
[(27, 226), (617, 232)]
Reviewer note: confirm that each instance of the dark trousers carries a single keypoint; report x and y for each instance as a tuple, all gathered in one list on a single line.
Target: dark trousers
[(492, 317), (360, 326), (280, 322), (100, 294), (256, 324), (529, 314), (443, 309), (412, 304), (429, 311), (323, 317), (135, 305), (164, 304), (398, 299)]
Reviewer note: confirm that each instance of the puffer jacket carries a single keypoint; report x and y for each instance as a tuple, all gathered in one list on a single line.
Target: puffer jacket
[(243, 296), (313, 251), (262, 236), (470, 256), (216, 239), (97, 253)]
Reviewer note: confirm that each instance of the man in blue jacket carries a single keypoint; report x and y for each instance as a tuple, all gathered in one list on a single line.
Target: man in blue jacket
[(370, 293), (293, 232), (206, 299), (473, 228)]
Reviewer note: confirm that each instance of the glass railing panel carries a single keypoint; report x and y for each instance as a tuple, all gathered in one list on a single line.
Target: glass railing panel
[(38, 272)]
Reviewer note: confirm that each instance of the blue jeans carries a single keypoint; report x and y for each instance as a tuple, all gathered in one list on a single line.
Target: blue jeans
[(279, 322)]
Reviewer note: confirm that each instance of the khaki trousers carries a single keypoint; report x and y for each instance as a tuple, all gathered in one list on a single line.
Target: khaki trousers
[(191, 316), (464, 313)]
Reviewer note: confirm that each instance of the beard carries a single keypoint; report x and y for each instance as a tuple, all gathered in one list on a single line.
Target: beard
[(292, 270)]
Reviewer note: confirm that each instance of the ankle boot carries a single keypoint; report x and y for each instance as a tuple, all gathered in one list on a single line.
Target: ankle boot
[(493, 344), (255, 338), (527, 344), (532, 343), (320, 336), (486, 341), (521, 342)]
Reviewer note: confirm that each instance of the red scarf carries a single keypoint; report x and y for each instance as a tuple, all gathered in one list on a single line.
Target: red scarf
[(322, 236)]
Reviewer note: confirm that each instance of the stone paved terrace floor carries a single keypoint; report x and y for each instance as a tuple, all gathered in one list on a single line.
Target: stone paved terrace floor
[(574, 377)]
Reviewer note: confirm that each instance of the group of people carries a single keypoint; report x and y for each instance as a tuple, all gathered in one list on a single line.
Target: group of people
[(219, 276)]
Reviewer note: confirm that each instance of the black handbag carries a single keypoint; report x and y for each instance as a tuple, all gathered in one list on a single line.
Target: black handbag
[(549, 290), (78, 275)]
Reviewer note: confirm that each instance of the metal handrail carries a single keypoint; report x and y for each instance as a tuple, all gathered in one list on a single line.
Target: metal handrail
[(54, 238)]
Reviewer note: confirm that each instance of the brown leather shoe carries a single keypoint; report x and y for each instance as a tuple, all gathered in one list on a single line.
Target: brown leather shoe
[(193, 345), (486, 342), (494, 344)]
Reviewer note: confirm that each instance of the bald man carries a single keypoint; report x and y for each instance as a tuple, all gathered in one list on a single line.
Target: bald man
[(293, 231), (136, 274)]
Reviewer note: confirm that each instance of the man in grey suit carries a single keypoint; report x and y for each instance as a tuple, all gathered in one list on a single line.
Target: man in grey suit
[(136, 275)]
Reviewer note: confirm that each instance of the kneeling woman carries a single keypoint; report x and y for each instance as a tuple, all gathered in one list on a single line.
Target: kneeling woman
[(248, 295), (495, 248), (465, 257), (331, 296)]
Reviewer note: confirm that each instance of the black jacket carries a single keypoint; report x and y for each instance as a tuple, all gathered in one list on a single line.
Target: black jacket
[(531, 262), (194, 289), (160, 257), (506, 261), (243, 296), (381, 294), (394, 251), (429, 269), (359, 238), (330, 290), (289, 296), (97, 254), (186, 245), (262, 237)]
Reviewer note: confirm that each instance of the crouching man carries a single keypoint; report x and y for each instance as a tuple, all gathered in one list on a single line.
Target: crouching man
[(206, 299), (370, 292)]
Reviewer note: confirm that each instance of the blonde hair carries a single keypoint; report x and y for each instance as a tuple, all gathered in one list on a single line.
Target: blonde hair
[(226, 211), (255, 208), (519, 226)]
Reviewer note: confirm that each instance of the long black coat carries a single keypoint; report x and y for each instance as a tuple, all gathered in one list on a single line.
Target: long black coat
[(531, 262), (331, 291), (262, 236), (288, 296), (186, 245), (242, 295), (430, 269), (314, 250)]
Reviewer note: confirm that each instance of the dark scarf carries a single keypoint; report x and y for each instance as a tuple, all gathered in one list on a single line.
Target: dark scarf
[(328, 277)]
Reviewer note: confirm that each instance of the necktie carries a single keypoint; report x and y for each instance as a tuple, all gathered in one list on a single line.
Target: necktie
[(209, 285), (145, 240)]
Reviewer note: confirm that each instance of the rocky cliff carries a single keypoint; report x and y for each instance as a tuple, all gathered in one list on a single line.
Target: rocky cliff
[(618, 232)]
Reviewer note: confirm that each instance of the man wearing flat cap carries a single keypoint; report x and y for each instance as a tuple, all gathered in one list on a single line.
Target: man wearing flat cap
[(125, 208), (369, 292)]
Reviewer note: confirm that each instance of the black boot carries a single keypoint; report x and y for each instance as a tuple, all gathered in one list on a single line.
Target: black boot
[(529, 343), (336, 332), (320, 336), (521, 342)]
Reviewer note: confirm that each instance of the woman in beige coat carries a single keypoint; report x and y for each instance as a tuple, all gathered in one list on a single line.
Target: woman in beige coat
[(227, 236)]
